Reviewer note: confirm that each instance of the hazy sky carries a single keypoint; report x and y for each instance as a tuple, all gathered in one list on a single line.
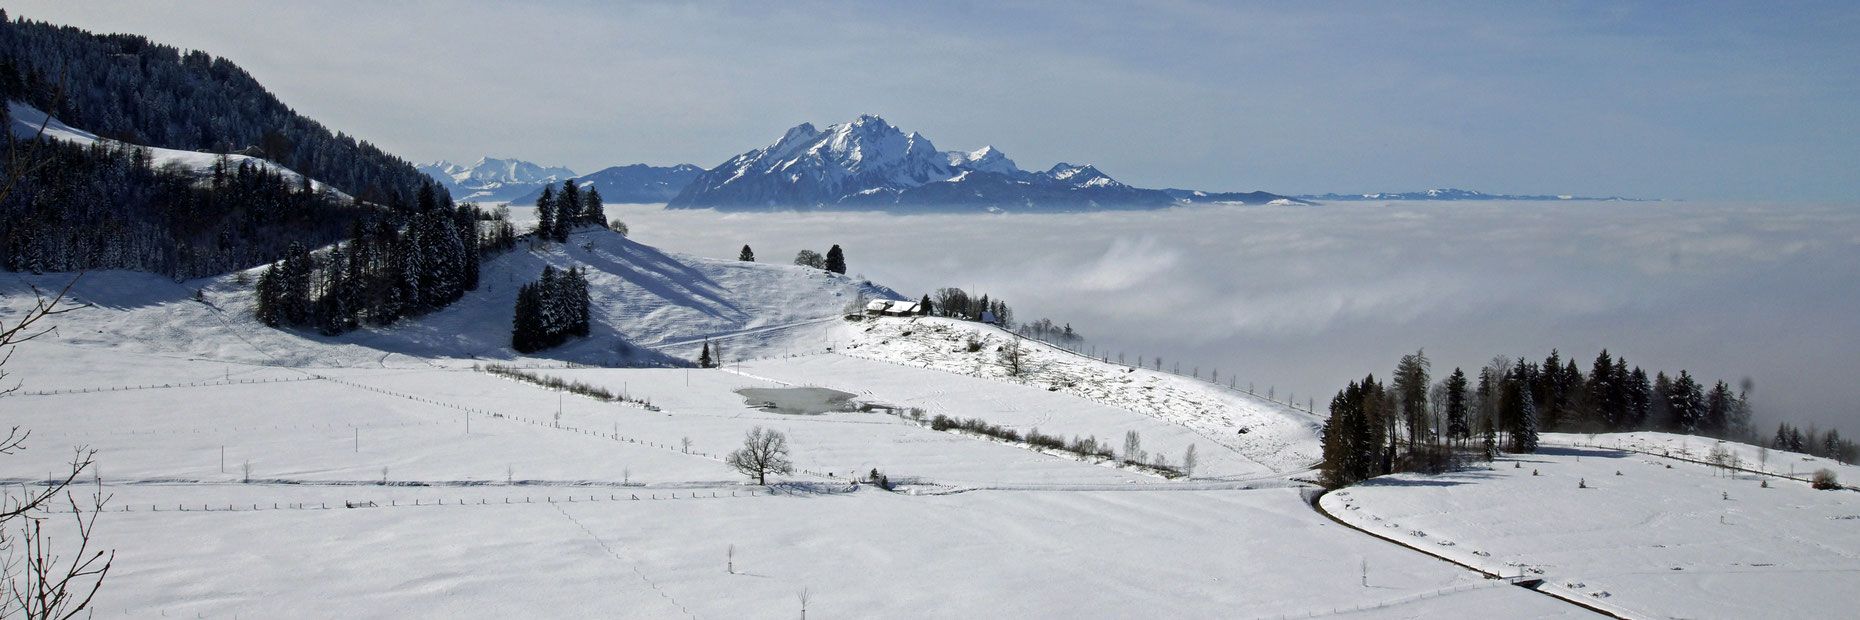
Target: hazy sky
[(1667, 99)]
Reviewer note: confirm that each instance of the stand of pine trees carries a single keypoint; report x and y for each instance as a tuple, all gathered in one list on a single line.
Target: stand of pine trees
[(128, 88), (550, 310), (956, 303), (104, 206), (1815, 443), (559, 212), (1423, 426), (390, 267)]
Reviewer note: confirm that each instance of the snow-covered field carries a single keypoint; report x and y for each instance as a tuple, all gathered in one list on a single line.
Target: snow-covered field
[(1646, 535), (264, 473), (531, 515)]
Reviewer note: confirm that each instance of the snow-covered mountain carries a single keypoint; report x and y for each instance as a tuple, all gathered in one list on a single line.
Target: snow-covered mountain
[(492, 179), (1452, 193), (870, 164), (636, 183)]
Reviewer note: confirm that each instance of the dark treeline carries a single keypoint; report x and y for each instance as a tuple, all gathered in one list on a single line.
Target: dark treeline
[(550, 310), (104, 206), (956, 303), (403, 263), (1047, 331), (1814, 442), (1413, 424), (559, 212), (125, 87)]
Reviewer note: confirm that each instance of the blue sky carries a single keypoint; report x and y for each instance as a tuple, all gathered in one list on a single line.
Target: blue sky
[(1679, 100)]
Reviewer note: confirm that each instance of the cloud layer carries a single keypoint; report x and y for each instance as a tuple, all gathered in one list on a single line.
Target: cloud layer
[(1307, 298)]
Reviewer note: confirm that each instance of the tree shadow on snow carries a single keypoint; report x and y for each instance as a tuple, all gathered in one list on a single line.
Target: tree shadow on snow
[(1599, 453), (665, 277), (1447, 479)]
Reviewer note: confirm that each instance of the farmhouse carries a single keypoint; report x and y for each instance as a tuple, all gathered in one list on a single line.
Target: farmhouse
[(891, 307)]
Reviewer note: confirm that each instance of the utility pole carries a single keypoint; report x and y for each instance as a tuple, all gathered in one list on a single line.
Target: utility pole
[(358, 439), (1365, 571), (222, 458)]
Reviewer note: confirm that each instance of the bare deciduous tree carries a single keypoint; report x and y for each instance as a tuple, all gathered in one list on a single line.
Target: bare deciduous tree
[(1189, 460), (764, 452), (1013, 358), (42, 579)]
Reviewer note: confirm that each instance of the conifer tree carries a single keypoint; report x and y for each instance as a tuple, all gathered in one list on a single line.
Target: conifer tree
[(1638, 395), (1457, 427), (545, 214), (836, 260), (747, 255), (1687, 402), (569, 213), (1411, 382), (1718, 404), (525, 322), (923, 306), (1660, 404), (1517, 403), (270, 309), (704, 360), (1602, 410), (593, 211)]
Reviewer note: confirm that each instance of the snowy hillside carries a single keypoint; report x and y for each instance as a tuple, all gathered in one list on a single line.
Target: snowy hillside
[(1641, 535), (27, 122), (409, 485), (1280, 438), (646, 304), (238, 459)]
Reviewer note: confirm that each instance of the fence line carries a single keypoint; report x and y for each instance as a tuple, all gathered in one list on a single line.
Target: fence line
[(456, 502), (153, 386)]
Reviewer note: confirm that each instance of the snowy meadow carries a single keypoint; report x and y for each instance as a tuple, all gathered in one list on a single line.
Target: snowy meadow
[(1303, 299)]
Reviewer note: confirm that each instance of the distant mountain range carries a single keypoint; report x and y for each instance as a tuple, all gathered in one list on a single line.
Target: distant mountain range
[(633, 184), (520, 182), (869, 164), (1450, 193), (492, 179)]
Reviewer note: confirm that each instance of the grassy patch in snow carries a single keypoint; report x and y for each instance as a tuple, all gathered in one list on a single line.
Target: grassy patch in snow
[(557, 383)]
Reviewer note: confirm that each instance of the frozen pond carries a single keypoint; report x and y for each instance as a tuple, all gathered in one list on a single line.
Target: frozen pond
[(797, 400)]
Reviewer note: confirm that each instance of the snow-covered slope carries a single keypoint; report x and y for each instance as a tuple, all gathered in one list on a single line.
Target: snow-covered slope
[(1644, 535), (646, 304), (493, 179), (1278, 437), (28, 121)]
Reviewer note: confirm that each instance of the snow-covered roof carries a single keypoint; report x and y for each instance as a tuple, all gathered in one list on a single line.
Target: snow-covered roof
[(891, 305)]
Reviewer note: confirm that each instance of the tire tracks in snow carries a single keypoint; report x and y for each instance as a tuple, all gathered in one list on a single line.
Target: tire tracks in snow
[(1316, 502)]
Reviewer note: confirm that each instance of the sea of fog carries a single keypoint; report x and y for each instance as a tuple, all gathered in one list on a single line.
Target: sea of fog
[(1303, 299)]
